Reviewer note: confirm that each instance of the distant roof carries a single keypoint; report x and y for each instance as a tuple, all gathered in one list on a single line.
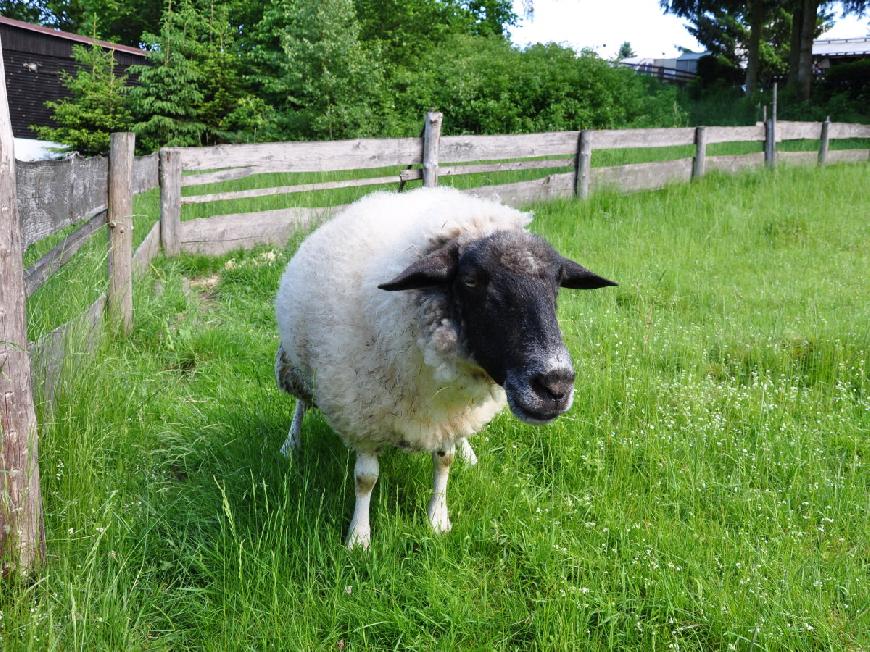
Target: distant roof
[(78, 38), (692, 56), (842, 47)]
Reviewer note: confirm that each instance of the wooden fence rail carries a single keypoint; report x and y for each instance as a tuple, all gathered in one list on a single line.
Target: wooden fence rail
[(568, 155)]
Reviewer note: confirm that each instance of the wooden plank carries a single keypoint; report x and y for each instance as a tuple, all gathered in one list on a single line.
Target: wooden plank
[(170, 200), (120, 220), (22, 532), (699, 162), (218, 176), (799, 158), (583, 169), (306, 156), (848, 130), (457, 149), (52, 195), (431, 142), (790, 130), (146, 172), (622, 138), (411, 175), (736, 162), (284, 190), (849, 156), (734, 134), (59, 255), (525, 192), (215, 236), (50, 354), (147, 249), (642, 176)]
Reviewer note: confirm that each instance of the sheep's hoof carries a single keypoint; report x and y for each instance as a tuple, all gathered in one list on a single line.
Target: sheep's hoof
[(438, 517), (466, 453), (359, 539)]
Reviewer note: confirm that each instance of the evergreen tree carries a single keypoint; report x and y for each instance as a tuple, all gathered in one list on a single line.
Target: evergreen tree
[(97, 107), (312, 67), (625, 51), (168, 100)]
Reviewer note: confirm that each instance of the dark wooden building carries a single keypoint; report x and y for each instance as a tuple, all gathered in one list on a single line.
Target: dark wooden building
[(34, 57)]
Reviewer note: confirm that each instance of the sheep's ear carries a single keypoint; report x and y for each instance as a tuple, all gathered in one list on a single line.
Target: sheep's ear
[(576, 277), (438, 268)]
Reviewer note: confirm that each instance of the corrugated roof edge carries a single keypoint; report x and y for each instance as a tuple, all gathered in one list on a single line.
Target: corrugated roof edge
[(78, 38)]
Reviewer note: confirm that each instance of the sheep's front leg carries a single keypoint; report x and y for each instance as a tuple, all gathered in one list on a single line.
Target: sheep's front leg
[(294, 436), (466, 452), (365, 474), (438, 517)]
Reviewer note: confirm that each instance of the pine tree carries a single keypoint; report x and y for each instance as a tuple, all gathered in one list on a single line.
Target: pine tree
[(168, 100), (310, 65), (97, 107)]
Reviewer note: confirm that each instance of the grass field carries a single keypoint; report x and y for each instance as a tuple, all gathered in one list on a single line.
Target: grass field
[(707, 491)]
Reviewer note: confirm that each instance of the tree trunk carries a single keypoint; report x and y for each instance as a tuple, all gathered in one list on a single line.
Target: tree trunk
[(797, 21), (756, 25), (805, 55), (22, 537)]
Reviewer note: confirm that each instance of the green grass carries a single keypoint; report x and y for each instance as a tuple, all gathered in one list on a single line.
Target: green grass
[(707, 491)]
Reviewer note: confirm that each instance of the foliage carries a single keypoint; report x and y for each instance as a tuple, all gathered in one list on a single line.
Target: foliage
[(172, 88), (97, 105), (717, 69), (315, 71), (484, 85), (625, 51)]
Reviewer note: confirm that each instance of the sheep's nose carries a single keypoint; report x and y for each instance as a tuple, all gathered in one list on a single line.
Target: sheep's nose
[(554, 385)]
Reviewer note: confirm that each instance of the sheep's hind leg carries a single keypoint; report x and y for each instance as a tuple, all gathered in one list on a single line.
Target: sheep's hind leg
[(294, 436), (466, 452), (438, 517), (365, 474)]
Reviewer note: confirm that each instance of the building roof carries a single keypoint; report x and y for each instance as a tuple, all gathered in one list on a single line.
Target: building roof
[(69, 36), (842, 47), (692, 56)]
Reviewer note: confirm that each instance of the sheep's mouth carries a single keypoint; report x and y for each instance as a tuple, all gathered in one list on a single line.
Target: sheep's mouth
[(532, 406), (529, 415)]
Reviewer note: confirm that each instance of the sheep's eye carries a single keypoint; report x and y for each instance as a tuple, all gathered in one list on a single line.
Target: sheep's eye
[(469, 282)]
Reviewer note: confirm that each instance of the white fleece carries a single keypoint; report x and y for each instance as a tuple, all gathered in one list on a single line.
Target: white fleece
[(385, 367)]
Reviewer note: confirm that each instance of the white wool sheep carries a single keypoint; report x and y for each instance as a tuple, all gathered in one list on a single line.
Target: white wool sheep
[(388, 368)]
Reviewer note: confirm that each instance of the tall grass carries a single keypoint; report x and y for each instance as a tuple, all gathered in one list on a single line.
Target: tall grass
[(707, 491)]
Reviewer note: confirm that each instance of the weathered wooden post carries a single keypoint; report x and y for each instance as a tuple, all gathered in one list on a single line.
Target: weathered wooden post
[(431, 141), (770, 133), (583, 164), (823, 141), (22, 533), (699, 163), (170, 201), (120, 219)]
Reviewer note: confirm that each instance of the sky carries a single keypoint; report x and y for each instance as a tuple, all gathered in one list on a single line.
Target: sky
[(605, 25)]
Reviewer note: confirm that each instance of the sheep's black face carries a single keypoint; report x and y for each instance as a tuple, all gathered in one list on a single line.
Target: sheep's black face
[(502, 290)]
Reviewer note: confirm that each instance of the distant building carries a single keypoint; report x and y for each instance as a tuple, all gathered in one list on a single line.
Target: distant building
[(679, 69), (34, 57), (831, 51)]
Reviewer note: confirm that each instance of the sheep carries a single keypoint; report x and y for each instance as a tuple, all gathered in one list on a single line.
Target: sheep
[(409, 320)]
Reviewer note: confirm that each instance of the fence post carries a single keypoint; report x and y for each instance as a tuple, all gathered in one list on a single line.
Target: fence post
[(22, 532), (583, 164), (700, 161), (770, 133), (823, 141), (120, 217), (431, 141), (170, 201)]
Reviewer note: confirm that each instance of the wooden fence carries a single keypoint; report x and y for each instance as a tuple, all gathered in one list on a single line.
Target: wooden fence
[(432, 156), (38, 200)]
